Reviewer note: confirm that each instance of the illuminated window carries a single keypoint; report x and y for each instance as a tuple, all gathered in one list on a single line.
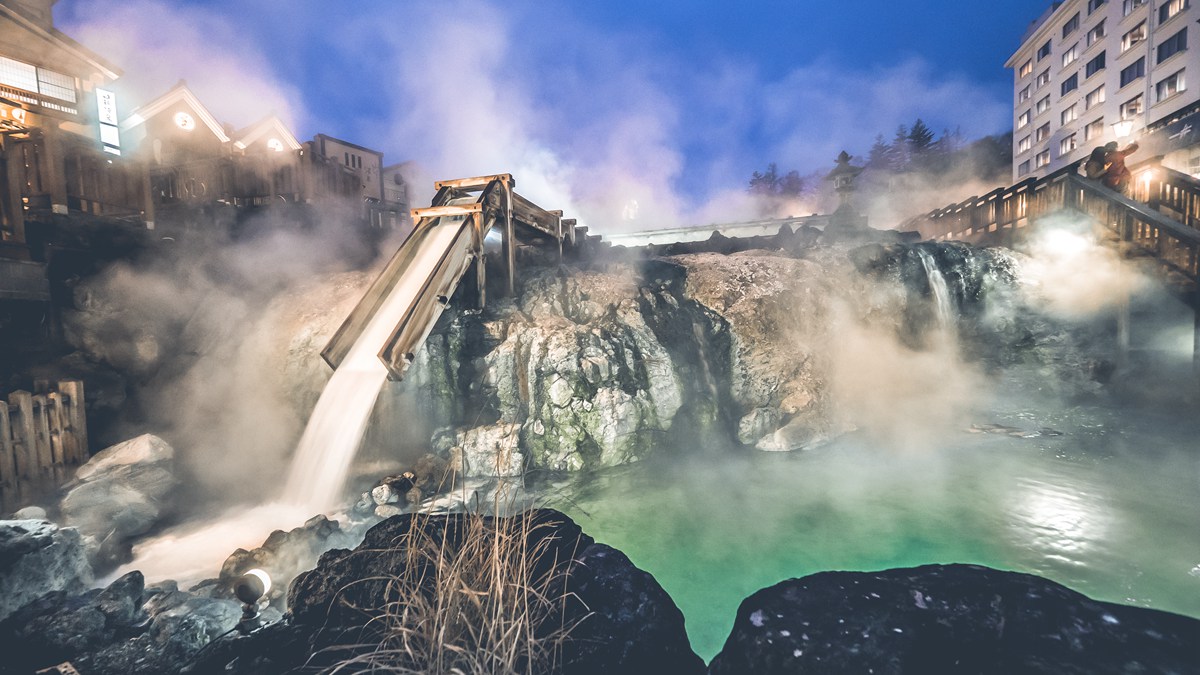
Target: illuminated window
[(1042, 158), (1043, 51), (1168, 11), (1095, 65), (1023, 95), (17, 74), (1134, 36), (1093, 5), (1024, 145), (1023, 120), (1043, 79), (1172, 45), (1170, 86), (1094, 130), (1096, 34), (1070, 114), (1070, 55), (24, 76), (1094, 98), (1042, 133), (1026, 68), (1131, 6), (1071, 25), (1070, 84), (1138, 69), (1067, 145), (1131, 108), (1042, 106)]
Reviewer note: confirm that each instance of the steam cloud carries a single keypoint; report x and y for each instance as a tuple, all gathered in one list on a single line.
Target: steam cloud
[(612, 127)]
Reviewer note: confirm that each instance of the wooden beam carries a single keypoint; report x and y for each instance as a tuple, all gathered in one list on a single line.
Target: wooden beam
[(446, 211), (475, 182)]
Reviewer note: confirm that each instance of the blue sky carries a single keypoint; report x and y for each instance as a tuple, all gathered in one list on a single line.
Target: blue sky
[(669, 103)]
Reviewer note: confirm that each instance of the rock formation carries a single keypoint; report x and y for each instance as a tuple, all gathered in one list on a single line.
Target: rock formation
[(949, 619)]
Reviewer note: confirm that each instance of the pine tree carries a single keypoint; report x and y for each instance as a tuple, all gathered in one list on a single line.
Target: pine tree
[(898, 159), (920, 138), (878, 157), (764, 183)]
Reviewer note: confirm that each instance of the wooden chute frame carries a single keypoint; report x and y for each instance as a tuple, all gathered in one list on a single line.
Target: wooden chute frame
[(483, 203)]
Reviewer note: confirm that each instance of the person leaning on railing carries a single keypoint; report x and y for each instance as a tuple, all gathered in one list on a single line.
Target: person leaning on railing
[(1117, 176), (1096, 164)]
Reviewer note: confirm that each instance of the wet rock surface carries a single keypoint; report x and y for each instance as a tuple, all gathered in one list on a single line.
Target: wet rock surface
[(622, 619), (949, 619), (120, 493), (37, 557)]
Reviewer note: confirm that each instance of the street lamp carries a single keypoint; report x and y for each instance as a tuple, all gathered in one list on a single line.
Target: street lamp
[(1123, 128)]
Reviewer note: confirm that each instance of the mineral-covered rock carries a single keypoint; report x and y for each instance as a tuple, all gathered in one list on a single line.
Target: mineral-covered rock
[(949, 619), (120, 493)]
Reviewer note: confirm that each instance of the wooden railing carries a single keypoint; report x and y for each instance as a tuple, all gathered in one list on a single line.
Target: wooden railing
[(41, 431), (1162, 219)]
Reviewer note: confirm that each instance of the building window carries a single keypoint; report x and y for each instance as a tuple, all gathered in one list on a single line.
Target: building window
[(1133, 37), (1130, 6), (1023, 95), (1169, 87), (1131, 108), (1023, 169), (1070, 55), (1024, 145), (1071, 25), (1067, 145), (1168, 11), (1044, 51), (1095, 65), (24, 76), (1026, 68), (1042, 133), (1023, 120), (1070, 84), (1094, 5), (1094, 98), (1042, 106), (1043, 79), (1138, 69), (1094, 130), (1096, 34), (1042, 158), (1173, 45), (1070, 114)]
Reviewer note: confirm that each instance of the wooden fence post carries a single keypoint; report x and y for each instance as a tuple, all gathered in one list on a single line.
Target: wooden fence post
[(76, 450), (41, 430), (21, 402), (8, 462)]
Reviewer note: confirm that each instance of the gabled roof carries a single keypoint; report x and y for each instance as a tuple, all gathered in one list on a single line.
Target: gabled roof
[(178, 94), (61, 39), (268, 127)]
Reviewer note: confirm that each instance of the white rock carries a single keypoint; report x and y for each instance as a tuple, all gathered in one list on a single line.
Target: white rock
[(388, 510), (145, 449), (30, 513), (384, 494)]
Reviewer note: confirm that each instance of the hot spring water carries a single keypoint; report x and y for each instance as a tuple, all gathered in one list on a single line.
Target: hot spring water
[(1110, 508)]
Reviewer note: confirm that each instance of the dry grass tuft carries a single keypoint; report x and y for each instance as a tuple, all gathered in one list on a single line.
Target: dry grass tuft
[(476, 595)]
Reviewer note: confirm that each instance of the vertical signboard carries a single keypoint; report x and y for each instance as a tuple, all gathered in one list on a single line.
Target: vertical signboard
[(106, 113)]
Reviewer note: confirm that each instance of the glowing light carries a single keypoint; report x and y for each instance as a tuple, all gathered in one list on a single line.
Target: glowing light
[(1064, 243), (185, 121), (275, 144), (264, 577), (1123, 128)]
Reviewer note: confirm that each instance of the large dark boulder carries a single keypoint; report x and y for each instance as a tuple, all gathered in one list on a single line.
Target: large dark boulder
[(620, 620), (949, 619)]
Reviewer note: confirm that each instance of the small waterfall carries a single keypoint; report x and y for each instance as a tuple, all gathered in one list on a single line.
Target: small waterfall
[(941, 292), (339, 420)]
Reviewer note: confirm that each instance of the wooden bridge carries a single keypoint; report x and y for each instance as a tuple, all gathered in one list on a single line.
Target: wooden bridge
[(1160, 221)]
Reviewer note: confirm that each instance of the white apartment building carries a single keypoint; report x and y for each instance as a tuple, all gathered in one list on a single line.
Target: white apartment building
[(1087, 65)]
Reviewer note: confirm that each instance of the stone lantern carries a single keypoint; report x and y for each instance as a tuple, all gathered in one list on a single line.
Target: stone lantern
[(843, 176)]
